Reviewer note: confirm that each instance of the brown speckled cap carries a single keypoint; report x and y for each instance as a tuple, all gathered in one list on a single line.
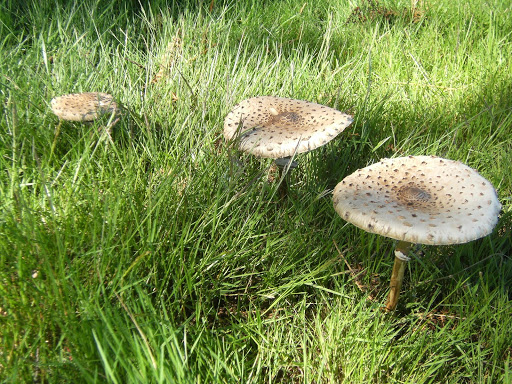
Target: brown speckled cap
[(419, 199), (276, 127), (86, 106)]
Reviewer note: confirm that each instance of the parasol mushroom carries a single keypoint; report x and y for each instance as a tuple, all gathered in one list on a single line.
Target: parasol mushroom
[(418, 199), (83, 107), (279, 128)]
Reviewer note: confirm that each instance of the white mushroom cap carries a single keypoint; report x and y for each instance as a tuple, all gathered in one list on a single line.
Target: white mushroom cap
[(419, 199), (277, 127), (83, 106)]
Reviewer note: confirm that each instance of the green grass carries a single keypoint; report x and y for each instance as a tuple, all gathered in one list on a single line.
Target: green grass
[(164, 255)]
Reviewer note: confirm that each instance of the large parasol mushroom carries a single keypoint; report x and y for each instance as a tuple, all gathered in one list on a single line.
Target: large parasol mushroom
[(418, 199), (278, 128)]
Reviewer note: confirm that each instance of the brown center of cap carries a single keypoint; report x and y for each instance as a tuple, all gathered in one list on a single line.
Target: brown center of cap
[(285, 117), (413, 194)]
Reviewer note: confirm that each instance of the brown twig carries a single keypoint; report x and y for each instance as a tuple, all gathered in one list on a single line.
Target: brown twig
[(134, 62)]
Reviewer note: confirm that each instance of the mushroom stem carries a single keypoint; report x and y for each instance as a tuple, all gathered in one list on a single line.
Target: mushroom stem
[(284, 164), (54, 143), (397, 276), (283, 186)]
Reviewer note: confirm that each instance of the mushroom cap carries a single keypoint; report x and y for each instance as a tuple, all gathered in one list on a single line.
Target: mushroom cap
[(419, 199), (277, 127), (86, 106)]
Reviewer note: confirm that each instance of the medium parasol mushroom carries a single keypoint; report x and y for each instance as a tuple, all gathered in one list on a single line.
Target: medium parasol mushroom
[(279, 128), (418, 199)]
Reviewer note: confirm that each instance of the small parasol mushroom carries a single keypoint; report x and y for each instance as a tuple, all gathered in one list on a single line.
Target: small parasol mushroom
[(418, 199), (279, 128), (83, 107)]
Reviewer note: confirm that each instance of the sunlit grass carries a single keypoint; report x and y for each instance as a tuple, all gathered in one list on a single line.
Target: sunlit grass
[(164, 255)]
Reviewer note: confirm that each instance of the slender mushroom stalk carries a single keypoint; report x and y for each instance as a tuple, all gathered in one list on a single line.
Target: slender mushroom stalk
[(284, 164), (418, 199), (56, 135), (397, 276), (278, 128)]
